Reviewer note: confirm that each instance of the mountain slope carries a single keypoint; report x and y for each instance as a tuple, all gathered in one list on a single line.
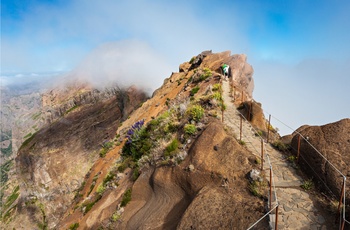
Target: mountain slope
[(179, 163), (164, 194)]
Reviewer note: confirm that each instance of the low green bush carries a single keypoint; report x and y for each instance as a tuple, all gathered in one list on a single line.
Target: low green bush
[(279, 145), (217, 96), (74, 226), (190, 129), (172, 147), (196, 112), (217, 87), (135, 174), (126, 198), (194, 90), (241, 142), (307, 185)]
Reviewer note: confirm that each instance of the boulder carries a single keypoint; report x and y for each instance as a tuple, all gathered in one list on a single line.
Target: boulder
[(333, 142)]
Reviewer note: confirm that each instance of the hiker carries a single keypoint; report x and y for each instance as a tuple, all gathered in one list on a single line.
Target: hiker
[(225, 69)]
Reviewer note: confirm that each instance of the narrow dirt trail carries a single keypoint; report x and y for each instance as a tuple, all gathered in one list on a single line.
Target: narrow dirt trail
[(296, 208)]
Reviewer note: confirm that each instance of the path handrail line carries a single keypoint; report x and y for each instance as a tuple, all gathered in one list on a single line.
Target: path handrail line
[(309, 144), (343, 219)]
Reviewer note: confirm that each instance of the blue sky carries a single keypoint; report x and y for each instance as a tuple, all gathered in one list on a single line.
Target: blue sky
[(299, 49)]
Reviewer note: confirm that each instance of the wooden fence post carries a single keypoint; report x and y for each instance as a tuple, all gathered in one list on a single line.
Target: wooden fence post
[(276, 220), (262, 154), (341, 197), (298, 154), (268, 129), (240, 128), (222, 115), (270, 186), (250, 111)]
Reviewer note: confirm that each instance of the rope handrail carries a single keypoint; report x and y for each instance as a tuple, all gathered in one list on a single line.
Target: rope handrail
[(343, 199), (310, 145), (269, 162), (307, 141)]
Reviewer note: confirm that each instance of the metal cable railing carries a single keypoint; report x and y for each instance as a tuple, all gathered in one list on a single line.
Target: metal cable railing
[(342, 198), (342, 213), (256, 152)]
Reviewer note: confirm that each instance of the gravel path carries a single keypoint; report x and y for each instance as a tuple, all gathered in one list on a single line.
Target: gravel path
[(296, 208)]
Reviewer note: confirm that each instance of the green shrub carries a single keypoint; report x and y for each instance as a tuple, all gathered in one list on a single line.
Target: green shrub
[(122, 167), (217, 87), (71, 109), (171, 127), (257, 160), (178, 82), (190, 129), (74, 226), (217, 96), (257, 188), (27, 141), (307, 185), (139, 141), (135, 174), (88, 206), (27, 136), (259, 133), (194, 90), (126, 198), (291, 158), (105, 148), (100, 189), (109, 177), (279, 145), (241, 142), (115, 217), (4, 169), (192, 59), (93, 183), (36, 116), (173, 146), (12, 198), (207, 73), (196, 112)]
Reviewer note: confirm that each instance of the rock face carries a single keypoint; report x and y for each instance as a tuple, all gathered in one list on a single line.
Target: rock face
[(241, 71), (174, 198), (253, 112), (333, 141), (52, 163)]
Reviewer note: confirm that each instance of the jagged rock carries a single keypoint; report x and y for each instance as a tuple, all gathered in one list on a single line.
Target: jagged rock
[(191, 168), (198, 60), (184, 67), (254, 175), (333, 141)]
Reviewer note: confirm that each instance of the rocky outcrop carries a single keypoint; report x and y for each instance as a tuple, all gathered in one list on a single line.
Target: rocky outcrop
[(53, 162), (333, 142), (252, 112), (185, 198), (241, 71)]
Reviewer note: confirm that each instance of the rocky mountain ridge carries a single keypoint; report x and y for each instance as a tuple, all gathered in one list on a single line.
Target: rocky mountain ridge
[(114, 160)]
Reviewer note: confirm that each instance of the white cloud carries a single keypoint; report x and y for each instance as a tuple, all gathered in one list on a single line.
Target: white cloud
[(128, 62)]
